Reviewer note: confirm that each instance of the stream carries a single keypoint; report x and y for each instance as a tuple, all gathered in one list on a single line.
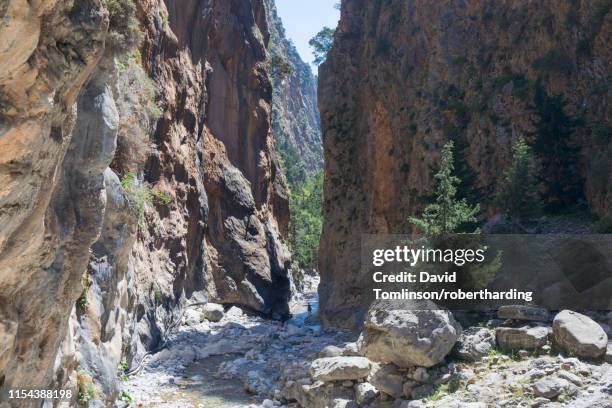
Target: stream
[(234, 363)]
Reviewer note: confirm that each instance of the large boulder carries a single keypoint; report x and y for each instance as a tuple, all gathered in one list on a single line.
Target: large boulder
[(474, 343), (339, 368), (579, 335), (521, 338), (213, 312), (523, 312), (408, 333)]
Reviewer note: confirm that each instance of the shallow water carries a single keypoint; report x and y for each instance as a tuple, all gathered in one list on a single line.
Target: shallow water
[(203, 388), (300, 312)]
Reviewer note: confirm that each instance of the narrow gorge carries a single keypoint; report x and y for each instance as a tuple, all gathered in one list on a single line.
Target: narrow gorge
[(168, 166)]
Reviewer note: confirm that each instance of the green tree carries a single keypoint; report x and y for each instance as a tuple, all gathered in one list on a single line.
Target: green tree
[(518, 195), (447, 214), (557, 154), (306, 219), (321, 44)]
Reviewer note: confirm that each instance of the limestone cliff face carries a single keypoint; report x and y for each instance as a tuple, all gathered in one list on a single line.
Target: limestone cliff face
[(403, 77), (295, 116), (189, 115), (53, 152), (214, 152)]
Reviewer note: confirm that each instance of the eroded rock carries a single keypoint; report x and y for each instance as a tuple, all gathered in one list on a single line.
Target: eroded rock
[(339, 368), (523, 312), (579, 335), (396, 332), (213, 312), (517, 338), (474, 343), (387, 378)]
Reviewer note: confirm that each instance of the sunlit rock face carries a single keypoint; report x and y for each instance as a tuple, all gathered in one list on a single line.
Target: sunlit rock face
[(70, 233), (403, 77), (295, 115)]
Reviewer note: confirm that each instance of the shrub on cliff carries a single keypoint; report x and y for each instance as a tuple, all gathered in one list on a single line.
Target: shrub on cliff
[(140, 194), (447, 214), (123, 28), (321, 44), (518, 193)]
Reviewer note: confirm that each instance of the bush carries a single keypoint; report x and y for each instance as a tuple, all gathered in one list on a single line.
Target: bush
[(280, 68), (518, 195), (141, 194), (81, 303), (139, 112), (125, 397), (85, 389), (123, 28)]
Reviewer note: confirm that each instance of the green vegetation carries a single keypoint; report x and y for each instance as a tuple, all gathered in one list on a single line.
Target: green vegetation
[(141, 194), (122, 367), (157, 294), (289, 159), (556, 152), (306, 219), (164, 16), (321, 44), (155, 111), (280, 67), (518, 193), (81, 302), (125, 397), (85, 388), (447, 214), (123, 28), (442, 390)]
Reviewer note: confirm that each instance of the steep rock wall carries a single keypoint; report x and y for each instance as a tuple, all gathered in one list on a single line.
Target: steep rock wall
[(75, 121), (214, 152), (53, 153), (403, 77)]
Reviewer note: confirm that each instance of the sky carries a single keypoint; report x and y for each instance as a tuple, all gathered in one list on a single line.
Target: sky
[(303, 19)]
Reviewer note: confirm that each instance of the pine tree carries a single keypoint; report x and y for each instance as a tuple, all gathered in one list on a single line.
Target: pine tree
[(447, 214), (518, 195), (321, 44)]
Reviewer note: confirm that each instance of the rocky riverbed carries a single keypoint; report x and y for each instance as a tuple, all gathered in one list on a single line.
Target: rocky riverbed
[(246, 361)]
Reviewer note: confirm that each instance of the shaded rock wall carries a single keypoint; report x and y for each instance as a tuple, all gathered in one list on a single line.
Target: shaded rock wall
[(403, 77), (214, 152)]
